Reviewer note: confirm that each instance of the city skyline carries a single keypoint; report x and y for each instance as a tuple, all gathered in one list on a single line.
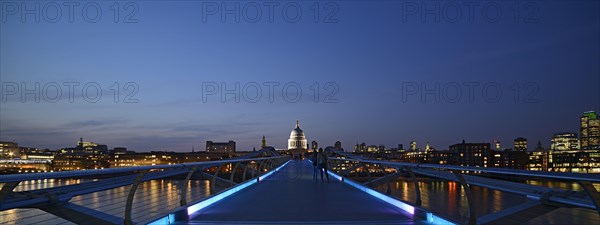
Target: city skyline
[(505, 144), (194, 111), (368, 73)]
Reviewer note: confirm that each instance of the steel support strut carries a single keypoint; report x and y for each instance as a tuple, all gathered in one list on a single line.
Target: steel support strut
[(364, 165), (388, 190), (416, 184), (233, 171), (465, 186), (245, 171), (262, 167), (214, 178), (592, 192), (7, 189), (129, 204), (183, 193)]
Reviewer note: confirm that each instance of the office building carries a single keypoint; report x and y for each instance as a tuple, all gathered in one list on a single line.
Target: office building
[(590, 130), (225, 147), (520, 144), (472, 154), (564, 141), (9, 150)]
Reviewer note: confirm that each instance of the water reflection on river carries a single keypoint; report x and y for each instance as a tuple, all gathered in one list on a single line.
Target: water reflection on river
[(161, 196), (152, 198), (448, 199)]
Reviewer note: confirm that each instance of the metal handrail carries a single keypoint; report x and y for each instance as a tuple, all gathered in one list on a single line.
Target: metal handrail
[(539, 193), (79, 173), (505, 171)]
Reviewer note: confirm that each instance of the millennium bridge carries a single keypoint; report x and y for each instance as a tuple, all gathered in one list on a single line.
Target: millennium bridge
[(268, 188)]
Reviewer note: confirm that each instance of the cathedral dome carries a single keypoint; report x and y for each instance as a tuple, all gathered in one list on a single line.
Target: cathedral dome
[(297, 138), (297, 132)]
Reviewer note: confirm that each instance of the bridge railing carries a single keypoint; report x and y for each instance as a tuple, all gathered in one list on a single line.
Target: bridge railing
[(346, 166), (55, 200), (110, 171), (490, 170)]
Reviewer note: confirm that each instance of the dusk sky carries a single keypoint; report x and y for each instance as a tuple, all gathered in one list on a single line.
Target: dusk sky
[(370, 59)]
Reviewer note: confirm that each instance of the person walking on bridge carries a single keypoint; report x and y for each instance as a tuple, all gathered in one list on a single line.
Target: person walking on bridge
[(314, 159), (322, 162)]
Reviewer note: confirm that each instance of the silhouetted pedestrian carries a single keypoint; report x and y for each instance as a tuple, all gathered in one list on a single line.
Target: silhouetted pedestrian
[(314, 160), (322, 162)]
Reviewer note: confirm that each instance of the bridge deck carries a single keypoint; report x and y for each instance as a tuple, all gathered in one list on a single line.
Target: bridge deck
[(290, 196)]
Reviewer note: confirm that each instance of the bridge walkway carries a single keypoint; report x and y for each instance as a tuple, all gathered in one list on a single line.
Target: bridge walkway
[(291, 196)]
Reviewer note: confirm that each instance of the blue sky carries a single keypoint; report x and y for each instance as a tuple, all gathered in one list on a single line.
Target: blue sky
[(369, 53)]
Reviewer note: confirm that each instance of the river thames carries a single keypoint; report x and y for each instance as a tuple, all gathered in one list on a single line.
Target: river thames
[(159, 197)]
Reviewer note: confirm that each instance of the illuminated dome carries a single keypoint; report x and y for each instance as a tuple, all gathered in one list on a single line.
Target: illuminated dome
[(297, 139), (297, 132)]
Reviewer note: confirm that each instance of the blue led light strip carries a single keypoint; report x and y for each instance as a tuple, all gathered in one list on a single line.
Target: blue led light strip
[(406, 207), (211, 200), (431, 218), (170, 218)]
